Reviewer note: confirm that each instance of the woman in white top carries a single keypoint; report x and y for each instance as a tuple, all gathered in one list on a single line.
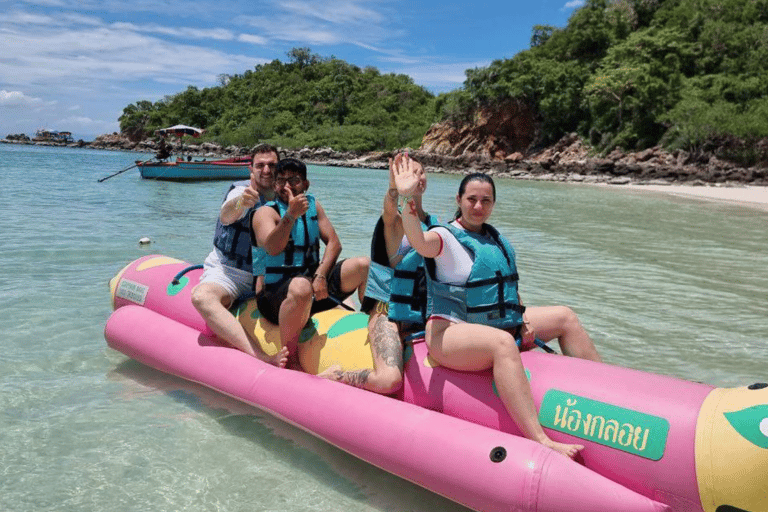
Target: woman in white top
[(461, 345)]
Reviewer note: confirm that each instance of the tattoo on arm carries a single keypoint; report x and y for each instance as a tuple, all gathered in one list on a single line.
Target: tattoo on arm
[(413, 210), (392, 193)]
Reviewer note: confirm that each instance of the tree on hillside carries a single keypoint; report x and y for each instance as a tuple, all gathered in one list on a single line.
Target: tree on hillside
[(307, 101), (632, 73), (138, 120)]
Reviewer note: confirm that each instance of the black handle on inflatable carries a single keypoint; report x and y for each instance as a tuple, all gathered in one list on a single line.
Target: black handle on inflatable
[(178, 276), (337, 301), (544, 346)]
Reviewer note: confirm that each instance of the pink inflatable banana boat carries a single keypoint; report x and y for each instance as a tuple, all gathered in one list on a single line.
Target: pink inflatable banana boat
[(652, 443)]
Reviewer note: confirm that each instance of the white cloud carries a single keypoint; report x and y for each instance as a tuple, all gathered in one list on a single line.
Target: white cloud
[(440, 77), (253, 39), (27, 18), (220, 34), (83, 19), (88, 125), (107, 54), (331, 22), (47, 3), (573, 4), (344, 12), (18, 99)]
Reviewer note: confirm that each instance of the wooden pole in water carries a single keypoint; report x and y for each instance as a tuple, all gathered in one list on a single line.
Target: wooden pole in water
[(122, 171)]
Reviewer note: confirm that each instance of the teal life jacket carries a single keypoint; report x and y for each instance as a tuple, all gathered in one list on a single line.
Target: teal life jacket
[(234, 240), (301, 255), (489, 296), (408, 287)]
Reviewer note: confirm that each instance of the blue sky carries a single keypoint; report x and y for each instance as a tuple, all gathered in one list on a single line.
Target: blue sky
[(75, 64)]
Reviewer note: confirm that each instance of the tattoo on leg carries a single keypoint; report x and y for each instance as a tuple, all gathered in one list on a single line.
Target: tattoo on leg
[(356, 378), (385, 342), (386, 347)]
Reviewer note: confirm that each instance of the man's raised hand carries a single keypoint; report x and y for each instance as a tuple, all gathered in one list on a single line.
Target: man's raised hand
[(297, 204)]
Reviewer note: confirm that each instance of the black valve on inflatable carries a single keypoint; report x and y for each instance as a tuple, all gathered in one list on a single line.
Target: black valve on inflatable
[(498, 454)]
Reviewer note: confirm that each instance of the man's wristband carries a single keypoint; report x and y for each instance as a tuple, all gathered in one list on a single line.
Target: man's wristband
[(290, 217)]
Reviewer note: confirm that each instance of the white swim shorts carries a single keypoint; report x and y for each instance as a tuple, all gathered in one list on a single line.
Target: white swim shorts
[(237, 282)]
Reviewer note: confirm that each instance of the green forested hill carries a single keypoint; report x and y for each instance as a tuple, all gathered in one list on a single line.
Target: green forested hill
[(309, 101), (689, 74)]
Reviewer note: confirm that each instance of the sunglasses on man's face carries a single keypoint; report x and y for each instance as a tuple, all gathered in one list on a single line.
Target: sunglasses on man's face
[(263, 165), (293, 181)]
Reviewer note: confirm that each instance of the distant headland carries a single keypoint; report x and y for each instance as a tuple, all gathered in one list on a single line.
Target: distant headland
[(569, 160)]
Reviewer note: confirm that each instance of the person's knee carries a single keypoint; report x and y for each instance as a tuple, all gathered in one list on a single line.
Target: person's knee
[(300, 290), (203, 298), (358, 267), (506, 345), (569, 318), (363, 263), (388, 380)]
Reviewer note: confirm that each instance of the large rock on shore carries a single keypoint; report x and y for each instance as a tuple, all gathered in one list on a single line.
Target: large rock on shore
[(491, 134), (571, 157), (113, 141), (500, 144), (17, 137)]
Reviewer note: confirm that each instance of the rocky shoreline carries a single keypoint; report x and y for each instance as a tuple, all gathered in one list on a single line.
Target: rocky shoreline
[(570, 160)]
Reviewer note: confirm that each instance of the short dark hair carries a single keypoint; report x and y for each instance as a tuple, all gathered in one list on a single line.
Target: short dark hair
[(291, 164), (259, 149)]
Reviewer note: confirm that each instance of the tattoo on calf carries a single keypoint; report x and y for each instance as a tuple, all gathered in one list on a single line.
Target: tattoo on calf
[(357, 378), (385, 342)]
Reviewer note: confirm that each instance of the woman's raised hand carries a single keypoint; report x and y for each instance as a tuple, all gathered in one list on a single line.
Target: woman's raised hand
[(408, 175)]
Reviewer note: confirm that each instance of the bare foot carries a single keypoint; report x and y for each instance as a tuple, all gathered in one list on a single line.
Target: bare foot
[(569, 450), (280, 359)]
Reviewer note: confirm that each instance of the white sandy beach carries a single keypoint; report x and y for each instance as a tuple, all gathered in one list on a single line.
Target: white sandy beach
[(746, 195)]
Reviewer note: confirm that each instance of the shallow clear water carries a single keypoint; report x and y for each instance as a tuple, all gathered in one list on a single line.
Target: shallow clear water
[(663, 284)]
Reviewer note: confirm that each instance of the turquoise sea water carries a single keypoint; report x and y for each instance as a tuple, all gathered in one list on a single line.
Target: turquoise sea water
[(663, 284)]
